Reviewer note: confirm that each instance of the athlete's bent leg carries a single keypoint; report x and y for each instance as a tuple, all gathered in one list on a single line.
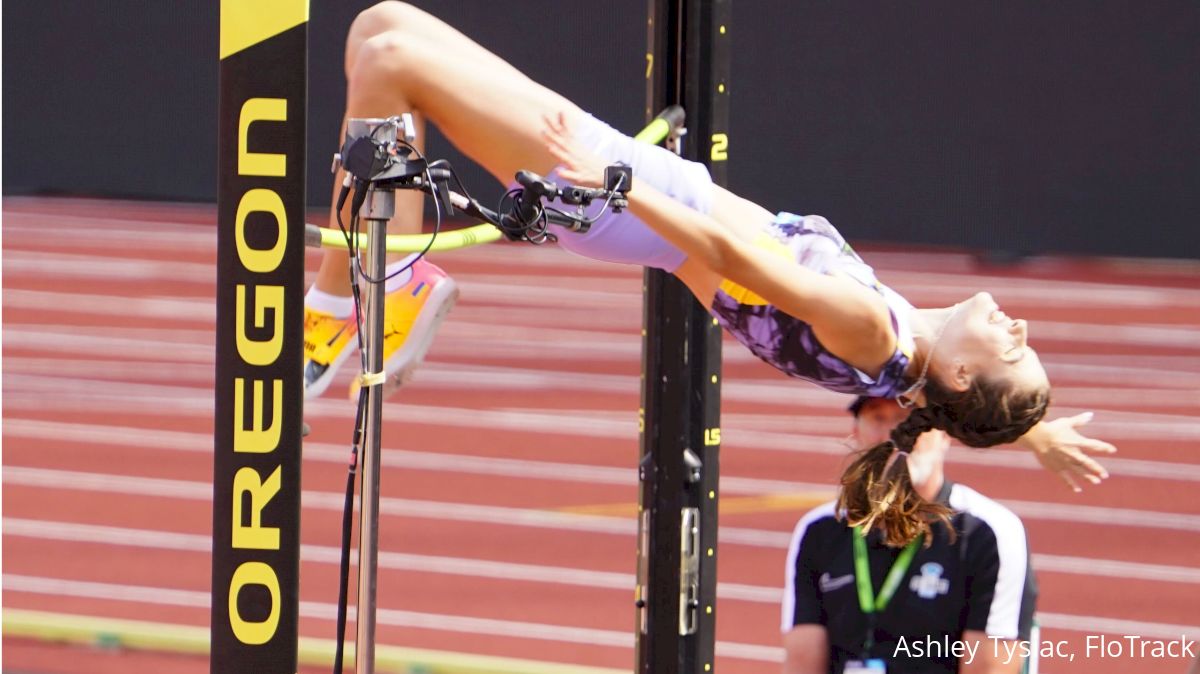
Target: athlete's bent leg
[(400, 59), (419, 295)]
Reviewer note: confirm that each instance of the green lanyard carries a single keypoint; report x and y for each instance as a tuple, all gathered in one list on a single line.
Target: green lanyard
[(870, 604)]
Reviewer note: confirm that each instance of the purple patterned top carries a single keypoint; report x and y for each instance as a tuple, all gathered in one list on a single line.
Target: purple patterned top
[(787, 343)]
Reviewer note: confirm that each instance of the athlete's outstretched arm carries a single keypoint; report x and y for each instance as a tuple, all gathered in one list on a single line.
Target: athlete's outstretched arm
[(848, 318), (1063, 450)]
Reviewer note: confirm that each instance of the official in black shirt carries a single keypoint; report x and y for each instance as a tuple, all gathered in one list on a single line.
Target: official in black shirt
[(957, 607)]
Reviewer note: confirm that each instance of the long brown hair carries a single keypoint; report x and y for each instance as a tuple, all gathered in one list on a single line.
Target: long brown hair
[(877, 493)]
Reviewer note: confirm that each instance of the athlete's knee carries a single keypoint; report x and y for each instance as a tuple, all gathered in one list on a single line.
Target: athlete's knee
[(386, 56), (385, 17)]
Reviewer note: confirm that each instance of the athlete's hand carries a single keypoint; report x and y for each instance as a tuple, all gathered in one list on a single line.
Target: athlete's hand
[(1063, 450), (578, 165)]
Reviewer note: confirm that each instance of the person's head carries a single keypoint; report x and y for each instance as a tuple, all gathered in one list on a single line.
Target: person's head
[(986, 386), (980, 343), (874, 419), (986, 402)]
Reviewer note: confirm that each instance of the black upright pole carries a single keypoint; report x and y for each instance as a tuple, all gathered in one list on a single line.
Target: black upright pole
[(687, 64)]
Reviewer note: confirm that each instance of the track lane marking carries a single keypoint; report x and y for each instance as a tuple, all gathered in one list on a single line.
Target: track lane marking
[(139, 594), (511, 628), (120, 484)]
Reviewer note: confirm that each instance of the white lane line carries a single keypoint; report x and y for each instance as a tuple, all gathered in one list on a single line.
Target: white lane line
[(93, 268), (1035, 289), (510, 628), (456, 377), (389, 617), (1113, 568), (529, 290), (456, 339), (144, 336), (448, 376), (1100, 625), (777, 390), (509, 334), (392, 458), (616, 426), (168, 308), (523, 290), (1109, 425), (35, 214), (99, 231), (94, 230), (123, 370), (534, 573), (395, 561), (392, 507), (530, 469), (38, 376), (924, 286), (1181, 337), (1113, 517), (1113, 423), (463, 337), (522, 301), (1176, 372), (120, 484), (1105, 396), (928, 287), (176, 240), (190, 349), (26, 395)]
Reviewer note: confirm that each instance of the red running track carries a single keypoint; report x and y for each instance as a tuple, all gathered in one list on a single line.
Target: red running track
[(508, 478)]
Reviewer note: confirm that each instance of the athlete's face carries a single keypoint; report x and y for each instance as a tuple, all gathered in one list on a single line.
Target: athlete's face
[(980, 340)]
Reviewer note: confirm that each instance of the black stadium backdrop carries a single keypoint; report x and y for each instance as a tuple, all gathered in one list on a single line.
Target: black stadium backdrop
[(1011, 127)]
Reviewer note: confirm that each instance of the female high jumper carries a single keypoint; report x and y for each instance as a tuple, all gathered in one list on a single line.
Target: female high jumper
[(788, 287)]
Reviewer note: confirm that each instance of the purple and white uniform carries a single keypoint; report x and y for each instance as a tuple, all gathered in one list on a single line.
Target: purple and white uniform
[(622, 237), (787, 343)]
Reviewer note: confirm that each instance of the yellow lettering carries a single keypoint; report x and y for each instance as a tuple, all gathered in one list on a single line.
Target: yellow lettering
[(253, 351), (720, 146), (260, 260), (254, 535), (256, 439), (260, 163), (712, 437), (253, 573)]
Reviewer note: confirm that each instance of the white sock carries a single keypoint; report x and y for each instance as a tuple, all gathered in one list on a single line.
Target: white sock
[(340, 307), (394, 284)]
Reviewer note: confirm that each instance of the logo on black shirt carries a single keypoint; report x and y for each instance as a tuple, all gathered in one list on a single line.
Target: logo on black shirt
[(930, 583), (829, 584)]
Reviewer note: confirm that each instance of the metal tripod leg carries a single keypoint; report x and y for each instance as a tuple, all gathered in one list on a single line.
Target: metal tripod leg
[(377, 210)]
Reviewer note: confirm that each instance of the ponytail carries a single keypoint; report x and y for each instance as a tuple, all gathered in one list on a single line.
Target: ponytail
[(877, 490)]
